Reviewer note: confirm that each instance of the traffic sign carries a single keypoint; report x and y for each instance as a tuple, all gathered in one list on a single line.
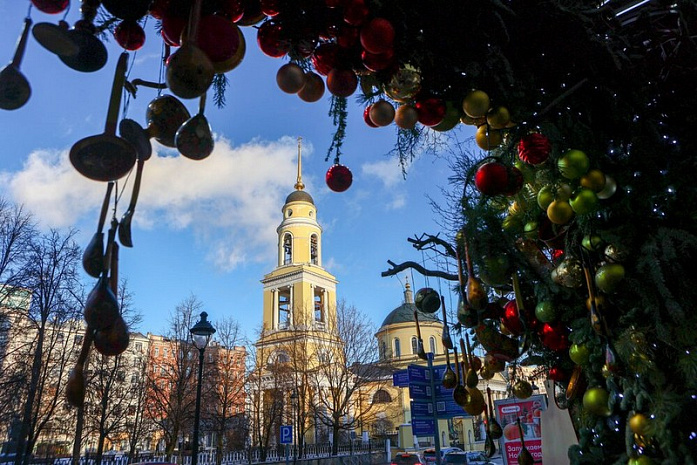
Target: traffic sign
[(286, 434), (425, 427), (421, 409), (418, 374), (419, 391), (400, 378)]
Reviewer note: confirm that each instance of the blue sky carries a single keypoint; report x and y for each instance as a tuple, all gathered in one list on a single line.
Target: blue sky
[(208, 227)]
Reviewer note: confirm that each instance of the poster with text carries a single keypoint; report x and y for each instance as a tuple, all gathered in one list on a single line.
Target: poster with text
[(508, 411)]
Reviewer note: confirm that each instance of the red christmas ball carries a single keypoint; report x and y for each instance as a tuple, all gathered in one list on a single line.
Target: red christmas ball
[(252, 13), (270, 40), (51, 6), (557, 374), (366, 117), (270, 7), (172, 27), (491, 178), (339, 178), (555, 337), (431, 111), (290, 78), (382, 113), (377, 36), (232, 9), (219, 38), (355, 12), (347, 36), (313, 89), (377, 62), (511, 318), (515, 181), (129, 34), (534, 148), (158, 8), (342, 82), (131, 9), (324, 58)]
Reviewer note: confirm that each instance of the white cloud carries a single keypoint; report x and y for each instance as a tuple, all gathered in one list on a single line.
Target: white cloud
[(230, 201), (389, 173)]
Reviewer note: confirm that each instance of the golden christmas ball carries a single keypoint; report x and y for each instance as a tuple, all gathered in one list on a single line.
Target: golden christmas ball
[(404, 84)]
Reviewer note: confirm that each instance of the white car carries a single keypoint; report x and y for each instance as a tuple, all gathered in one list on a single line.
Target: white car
[(429, 455)]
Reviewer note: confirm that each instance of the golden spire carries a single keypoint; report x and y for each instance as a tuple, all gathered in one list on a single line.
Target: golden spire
[(299, 183)]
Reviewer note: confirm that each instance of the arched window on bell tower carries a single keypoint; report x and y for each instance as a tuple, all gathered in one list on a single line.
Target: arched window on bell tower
[(314, 250), (414, 345), (287, 249), (397, 349)]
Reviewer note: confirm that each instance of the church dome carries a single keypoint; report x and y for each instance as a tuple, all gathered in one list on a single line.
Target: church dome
[(405, 314), (299, 196)]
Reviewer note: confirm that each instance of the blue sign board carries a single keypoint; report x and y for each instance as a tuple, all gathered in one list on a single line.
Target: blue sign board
[(443, 393), (421, 409), (419, 391), (400, 378), (418, 374), (286, 434), (423, 427)]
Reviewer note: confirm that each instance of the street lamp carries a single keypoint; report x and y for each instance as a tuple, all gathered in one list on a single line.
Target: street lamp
[(200, 334)]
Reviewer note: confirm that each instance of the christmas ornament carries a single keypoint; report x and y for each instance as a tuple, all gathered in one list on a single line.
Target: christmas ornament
[(431, 110), (366, 117), (377, 35), (595, 401), (164, 116), (491, 178), (252, 13), (569, 273), (382, 113), (591, 242), (313, 90), (172, 28), (515, 181), (488, 138), (495, 270), (450, 120), (573, 164), (534, 148), (498, 117), (616, 253), (51, 6), (466, 315), (608, 277), (14, 86), (609, 189), (557, 374), (269, 39), (270, 7), (476, 104), (579, 354), (129, 35), (560, 212), (290, 78), (404, 84), (194, 138), (511, 318), (338, 177), (593, 180), (427, 300), (342, 82), (545, 311), (522, 389), (498, 345), (222, 41), (377, 61), (641, 424), (355, 12), (406, 117), (324, 58), (584, 201), (554, 337), (127, 9)]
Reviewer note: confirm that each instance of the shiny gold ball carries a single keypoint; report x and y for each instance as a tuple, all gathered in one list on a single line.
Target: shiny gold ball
[(569, 273), (522, 389), (404, 84)]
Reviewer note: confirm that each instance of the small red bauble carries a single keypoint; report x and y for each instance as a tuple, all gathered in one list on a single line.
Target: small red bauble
[(377, 62), (431, 111), (557, 374), (158, 8), (342, 82), (313, 89), (382, 113), (511, 318), (172, 27), (355, 12), (50, 6), (515, 181), (554, 337), (269, 40), (218, 37), (347, 36), (339, 178), (129, 35), (324, 57), (366, 117), (491, 178), (534, 148), (377, 36), (131, 9), (232, 10), (270, 7)]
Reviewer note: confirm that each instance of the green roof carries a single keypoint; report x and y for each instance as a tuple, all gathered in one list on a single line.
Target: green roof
[(405, 314)]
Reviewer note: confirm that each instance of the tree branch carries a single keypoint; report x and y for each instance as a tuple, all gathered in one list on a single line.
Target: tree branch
[(424, 271)]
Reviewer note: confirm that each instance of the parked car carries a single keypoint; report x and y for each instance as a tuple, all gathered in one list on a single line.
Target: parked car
[(406, 458), (429, 455), (477, 458), (455, 457)]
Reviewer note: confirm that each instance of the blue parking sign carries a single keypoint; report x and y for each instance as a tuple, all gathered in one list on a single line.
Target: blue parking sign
[(286, 434)]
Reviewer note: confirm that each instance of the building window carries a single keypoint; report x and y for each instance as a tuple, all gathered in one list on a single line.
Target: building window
[(432, 344), (397, 349), (139, 346), (157, 351), (287, 249), (319, 304), (284, 308), (314, 250), (383, 350), (382, 397), (165, 352), (414, 345)]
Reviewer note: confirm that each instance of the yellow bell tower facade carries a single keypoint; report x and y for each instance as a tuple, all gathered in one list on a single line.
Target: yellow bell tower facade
[(299, 294)]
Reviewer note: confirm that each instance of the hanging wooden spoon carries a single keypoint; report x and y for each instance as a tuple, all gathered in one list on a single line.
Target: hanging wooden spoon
[(471, 378), (489, 445), (466, 314), (494, 430), (106, 157), (14, 86), (165, 115), (476, 294), (56, 38), (189, 70), (125, 237), (76, 385), (102, 308), (445, 335), (449, 377), (194, 138), (91, 54), (93, 255), (460, 395), (420, 352), (524, 456)]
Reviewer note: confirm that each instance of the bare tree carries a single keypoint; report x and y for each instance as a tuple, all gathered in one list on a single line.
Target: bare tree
[(172, 378), (226, 388), (137, 425), (52, 280), (344, 372)]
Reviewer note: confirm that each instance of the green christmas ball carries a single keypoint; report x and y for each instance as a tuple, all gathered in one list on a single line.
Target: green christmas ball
[(427, 300)]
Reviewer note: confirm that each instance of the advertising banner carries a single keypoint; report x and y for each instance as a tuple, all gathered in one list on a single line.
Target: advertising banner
[(508, 411)]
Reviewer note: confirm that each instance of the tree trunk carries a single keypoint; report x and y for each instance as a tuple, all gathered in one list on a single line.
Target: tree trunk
[(219, 446), (77, 442), (25, 447), (335, 434)]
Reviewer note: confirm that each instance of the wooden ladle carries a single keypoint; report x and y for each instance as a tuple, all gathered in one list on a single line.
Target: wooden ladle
[(56, 38), (194, 138), (91, 53), (106, 157), (14, 86)]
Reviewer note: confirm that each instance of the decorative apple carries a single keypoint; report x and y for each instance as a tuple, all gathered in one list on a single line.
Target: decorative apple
[(573, 164), (608, 277), (579, 354)]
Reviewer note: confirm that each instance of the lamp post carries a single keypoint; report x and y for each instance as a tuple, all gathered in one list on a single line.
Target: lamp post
[(200, 334)]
